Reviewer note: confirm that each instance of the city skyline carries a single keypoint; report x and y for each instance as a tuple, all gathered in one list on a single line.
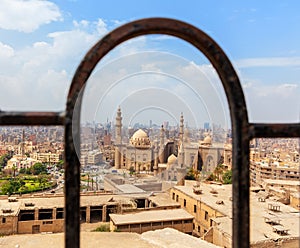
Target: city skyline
[(43, 42)]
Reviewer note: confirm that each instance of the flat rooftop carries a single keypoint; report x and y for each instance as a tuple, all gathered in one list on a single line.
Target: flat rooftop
[(259, 230), (151, 216), (211, 194), (153, 239)]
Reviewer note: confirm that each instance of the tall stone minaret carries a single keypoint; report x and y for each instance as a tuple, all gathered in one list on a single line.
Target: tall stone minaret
[(118, 142), (155, 167), (181, 148), (181, 128), (161, 144)]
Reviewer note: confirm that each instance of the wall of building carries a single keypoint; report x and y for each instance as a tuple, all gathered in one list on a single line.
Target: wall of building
[(220, 238), (295, 200), (203, 213), (8, 225), (185, 226), (39, 226)]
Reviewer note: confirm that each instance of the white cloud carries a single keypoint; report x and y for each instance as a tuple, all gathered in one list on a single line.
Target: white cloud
[(6, 51), (101, 27), (82, 23), (27, 16), (272, 103), (38, 76)]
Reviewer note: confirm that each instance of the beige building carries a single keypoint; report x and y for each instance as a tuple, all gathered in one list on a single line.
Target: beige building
[(295, 200), (47, 157), (273, 223), (145, 221), (19, 161), (270, 169), (39, 214), (94, 157)]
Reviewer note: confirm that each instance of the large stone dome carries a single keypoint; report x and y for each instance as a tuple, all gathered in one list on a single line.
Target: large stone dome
[(207, 140), (140, 140)]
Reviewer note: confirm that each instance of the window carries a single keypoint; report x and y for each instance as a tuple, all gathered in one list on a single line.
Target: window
[(173, 196), (177, 198), (49, 222), (123, 227), (156, 223), (198, 229), (195, 208), (3, 220), (206, 215), (167, 223), (184, 202)]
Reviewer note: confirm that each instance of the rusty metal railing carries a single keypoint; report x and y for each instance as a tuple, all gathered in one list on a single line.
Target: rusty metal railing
[(242, 130)]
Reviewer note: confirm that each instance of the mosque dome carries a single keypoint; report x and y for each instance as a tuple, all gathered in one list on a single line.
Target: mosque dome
[(140, 140), (172, 159), (207, 140)]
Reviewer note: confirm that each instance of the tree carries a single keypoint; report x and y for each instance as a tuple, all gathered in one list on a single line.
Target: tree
[(131, 170), (14, 168), (3, 160), (42, 180), (190, 175), (39, 168), (12, 186), (218, 172), (227, 177)]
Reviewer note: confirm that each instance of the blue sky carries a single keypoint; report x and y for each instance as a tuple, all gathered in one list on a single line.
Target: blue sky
[(42, 43)]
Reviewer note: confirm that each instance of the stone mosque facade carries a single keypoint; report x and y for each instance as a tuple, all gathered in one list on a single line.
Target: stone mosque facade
[(167, 157)]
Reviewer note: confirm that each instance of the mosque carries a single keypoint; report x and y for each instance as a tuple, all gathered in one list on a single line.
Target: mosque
[(170, 157)]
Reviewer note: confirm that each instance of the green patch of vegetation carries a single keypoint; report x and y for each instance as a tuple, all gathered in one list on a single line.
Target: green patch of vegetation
[(221, 174), (23, 185), (227, 177), (102, 228)]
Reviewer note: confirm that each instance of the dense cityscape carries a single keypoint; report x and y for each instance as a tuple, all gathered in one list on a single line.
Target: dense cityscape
[(149, 178)]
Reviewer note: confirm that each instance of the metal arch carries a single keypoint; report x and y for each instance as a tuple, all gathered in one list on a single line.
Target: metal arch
[(235, 97)]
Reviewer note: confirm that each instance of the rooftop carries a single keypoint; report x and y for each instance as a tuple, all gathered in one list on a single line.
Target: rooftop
[(259, 230), (150, 216), (153, 239)]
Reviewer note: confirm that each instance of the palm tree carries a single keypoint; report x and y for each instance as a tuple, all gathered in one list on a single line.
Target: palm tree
[(14, 168)]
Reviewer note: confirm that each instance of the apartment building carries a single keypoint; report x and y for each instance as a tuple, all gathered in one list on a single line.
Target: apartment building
[(273, 224)]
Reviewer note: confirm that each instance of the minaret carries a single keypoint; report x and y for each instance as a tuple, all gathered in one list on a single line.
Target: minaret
[(161, 144), (118, 142), (155, 167), (181, 127), (181, 156), (181, 148)]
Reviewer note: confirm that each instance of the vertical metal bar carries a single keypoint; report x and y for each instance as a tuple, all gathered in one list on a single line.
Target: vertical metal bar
[(72, 174), (240, 188)]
